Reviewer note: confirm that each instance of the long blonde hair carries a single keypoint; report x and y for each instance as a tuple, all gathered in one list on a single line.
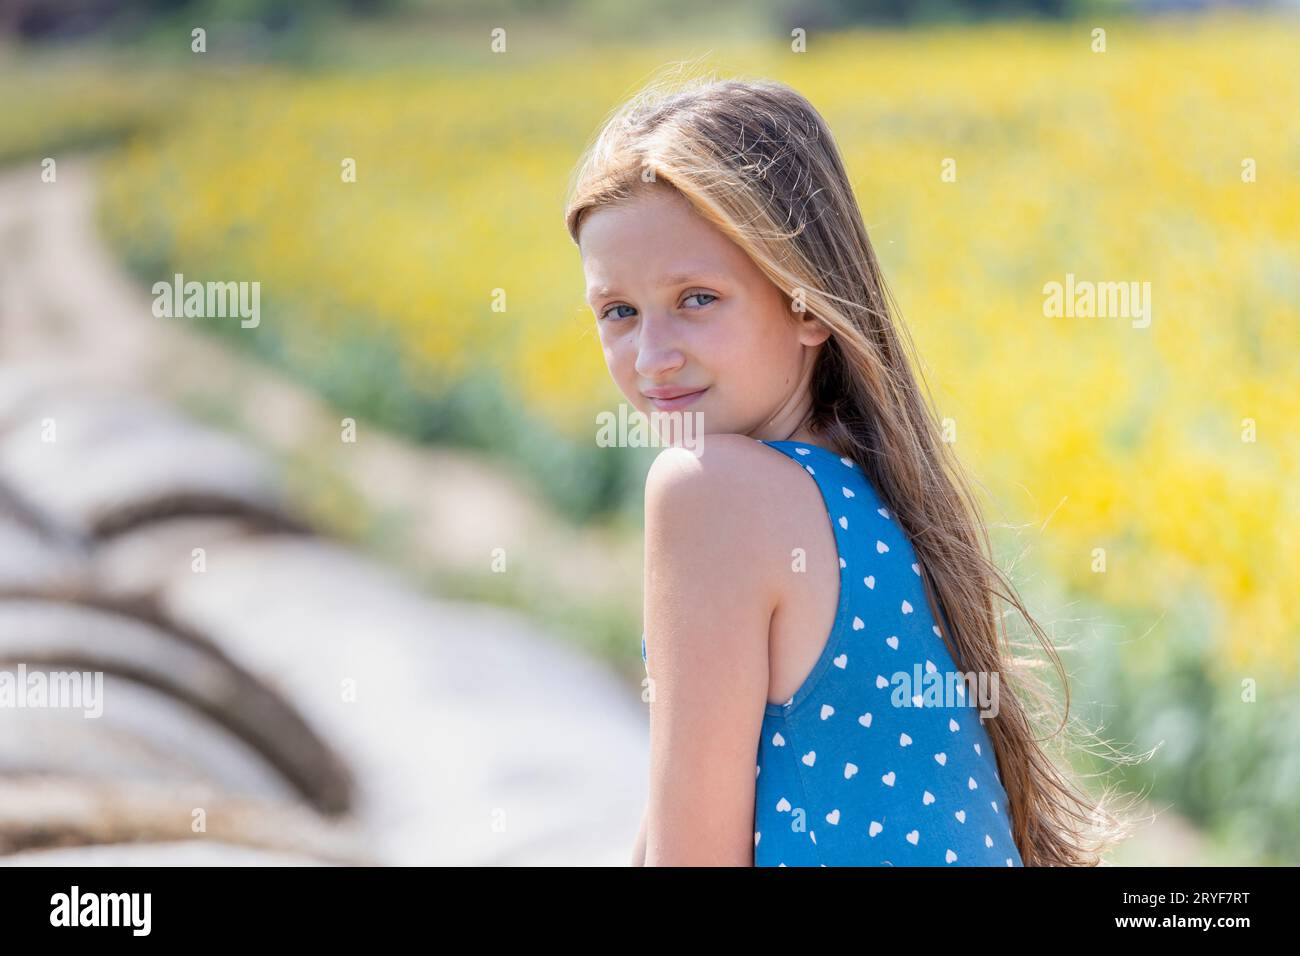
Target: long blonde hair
[(755, 159)]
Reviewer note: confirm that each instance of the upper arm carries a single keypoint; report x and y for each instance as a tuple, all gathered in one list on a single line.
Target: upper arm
[(709, 598)]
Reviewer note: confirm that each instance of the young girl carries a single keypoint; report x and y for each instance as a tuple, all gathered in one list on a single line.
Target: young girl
[(811, 703)]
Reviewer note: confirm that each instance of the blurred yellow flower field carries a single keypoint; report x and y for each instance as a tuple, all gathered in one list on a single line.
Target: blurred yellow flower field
[(1123, 166)]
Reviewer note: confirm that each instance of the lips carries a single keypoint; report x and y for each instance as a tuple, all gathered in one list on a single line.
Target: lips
[(670, 399)]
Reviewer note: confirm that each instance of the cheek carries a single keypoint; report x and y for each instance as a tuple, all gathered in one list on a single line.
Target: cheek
[(756, 343), (613, 349), (620, 359)]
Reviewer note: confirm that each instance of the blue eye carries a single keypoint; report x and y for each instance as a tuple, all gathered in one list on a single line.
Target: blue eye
[(705, 298), (605, 314)]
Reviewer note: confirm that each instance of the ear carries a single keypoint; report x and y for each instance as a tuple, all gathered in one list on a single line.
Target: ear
[(812, 330)]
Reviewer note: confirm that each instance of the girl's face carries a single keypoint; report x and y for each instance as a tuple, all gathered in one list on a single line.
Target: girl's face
[(689, 323)]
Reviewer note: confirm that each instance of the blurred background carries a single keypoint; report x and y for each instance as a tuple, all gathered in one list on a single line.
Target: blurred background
[(362, 584)]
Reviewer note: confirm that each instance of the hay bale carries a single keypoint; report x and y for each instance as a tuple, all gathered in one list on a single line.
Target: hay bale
[(102, 465), (49, 813), (199, 678), (30, 559)]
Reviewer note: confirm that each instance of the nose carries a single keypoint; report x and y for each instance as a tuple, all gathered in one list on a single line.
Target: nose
[(658, 353)]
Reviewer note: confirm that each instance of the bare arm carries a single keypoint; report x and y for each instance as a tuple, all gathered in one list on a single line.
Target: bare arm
[(709, 603)]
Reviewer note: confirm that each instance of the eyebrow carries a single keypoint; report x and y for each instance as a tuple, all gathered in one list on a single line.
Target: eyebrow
[(676, 278)]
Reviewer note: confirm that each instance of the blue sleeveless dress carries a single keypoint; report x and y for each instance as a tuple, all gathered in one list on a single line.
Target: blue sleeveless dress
[(879, 758)]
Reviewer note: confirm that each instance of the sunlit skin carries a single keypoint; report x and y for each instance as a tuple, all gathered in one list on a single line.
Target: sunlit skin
[(729, 627)]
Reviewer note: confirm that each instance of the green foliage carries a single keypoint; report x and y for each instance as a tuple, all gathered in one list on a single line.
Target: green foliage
[(1224, 742)]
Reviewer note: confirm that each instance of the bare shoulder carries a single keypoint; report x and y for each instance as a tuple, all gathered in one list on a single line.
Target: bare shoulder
[(725, 509), (736, 470)]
